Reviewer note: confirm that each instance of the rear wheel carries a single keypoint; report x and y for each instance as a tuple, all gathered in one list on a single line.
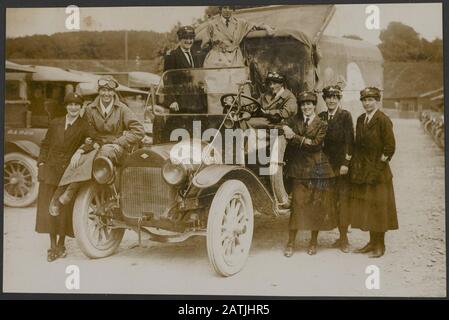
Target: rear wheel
[(92, 222), (20, 180), (230, 228)]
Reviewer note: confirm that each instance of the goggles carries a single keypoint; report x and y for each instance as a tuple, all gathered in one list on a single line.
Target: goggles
[(108, 83), (275, 77)]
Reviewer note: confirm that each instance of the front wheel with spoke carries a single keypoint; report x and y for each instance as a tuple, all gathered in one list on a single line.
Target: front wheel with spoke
[(92, 222), (230, 228), (20, 186)]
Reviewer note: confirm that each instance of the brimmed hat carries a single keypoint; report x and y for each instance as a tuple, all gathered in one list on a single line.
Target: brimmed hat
[(72, 97), (307, 96), (275, 77), (186, 32), (330, 91), (107, 82), (372, 92)]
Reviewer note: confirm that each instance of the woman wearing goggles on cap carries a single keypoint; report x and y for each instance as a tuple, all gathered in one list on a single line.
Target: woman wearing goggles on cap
[(117, 129), (280, 103)]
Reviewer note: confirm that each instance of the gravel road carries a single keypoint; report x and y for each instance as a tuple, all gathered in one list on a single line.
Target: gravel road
[(414, 265)]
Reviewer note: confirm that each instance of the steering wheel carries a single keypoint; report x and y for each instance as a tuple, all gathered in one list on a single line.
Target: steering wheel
[(251, 106)]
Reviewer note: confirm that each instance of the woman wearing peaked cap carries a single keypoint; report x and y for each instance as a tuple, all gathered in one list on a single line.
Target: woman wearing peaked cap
[(312, 176), (338, 146), (64, 138), (372, 203)]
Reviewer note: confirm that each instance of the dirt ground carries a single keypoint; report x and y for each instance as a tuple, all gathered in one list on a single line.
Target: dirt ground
[(414, 264)]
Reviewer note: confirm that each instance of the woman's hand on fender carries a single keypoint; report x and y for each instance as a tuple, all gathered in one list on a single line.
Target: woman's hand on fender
[(75, 161)]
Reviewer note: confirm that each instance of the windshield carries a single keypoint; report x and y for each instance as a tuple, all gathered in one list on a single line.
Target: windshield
[(199, 90), (201, 81)]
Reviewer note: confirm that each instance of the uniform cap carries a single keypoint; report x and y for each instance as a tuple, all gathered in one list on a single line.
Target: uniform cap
[(334, 90), (186, 32), (307, 96), (372, 92), (73, 97)]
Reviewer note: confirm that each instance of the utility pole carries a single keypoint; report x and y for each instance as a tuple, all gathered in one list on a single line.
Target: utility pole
[(126, 47)]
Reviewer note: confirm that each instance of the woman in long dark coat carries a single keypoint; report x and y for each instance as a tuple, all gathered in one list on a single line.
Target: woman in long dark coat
[(63, 139), (372, 202), (312, 177)]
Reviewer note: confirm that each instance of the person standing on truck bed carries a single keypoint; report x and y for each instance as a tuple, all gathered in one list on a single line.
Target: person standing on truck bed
[(224, 35), (181, 58)]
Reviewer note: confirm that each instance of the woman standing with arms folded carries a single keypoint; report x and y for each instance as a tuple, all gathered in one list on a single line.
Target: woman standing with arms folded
[(373, 203), (312, 176)]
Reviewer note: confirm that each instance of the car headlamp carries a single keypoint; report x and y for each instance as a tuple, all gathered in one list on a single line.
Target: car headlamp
[(174, 174), (103, 170)]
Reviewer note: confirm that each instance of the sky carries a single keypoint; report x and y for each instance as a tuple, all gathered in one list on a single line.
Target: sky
[(426, 19)]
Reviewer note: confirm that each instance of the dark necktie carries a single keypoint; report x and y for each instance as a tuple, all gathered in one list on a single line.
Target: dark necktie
[(330, 117), (227, 22), (105, 114), (306, 122), (190, 58)]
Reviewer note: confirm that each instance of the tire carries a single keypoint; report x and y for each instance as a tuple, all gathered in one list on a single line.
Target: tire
[(229, 241), (20, 184), (89, 229)]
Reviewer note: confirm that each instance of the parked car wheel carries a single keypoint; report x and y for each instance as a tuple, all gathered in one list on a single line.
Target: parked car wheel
[(92, 229), (230, 228), (20, 180)]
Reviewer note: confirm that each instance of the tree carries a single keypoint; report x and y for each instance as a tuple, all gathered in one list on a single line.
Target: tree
[(402, 43)]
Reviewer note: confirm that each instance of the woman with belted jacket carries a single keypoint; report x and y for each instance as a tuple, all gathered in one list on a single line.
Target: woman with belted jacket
[(311, 175), (67, 136), (372, 203)]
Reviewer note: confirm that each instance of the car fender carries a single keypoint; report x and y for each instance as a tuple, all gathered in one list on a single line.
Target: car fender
[(213, 176), (27, 147)]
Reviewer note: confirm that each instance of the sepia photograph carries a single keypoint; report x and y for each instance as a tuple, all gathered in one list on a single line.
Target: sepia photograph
[(292, 150)]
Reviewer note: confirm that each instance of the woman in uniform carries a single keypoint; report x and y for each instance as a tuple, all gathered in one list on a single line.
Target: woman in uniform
[(59, 149), (372, 203), (311, 175)]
